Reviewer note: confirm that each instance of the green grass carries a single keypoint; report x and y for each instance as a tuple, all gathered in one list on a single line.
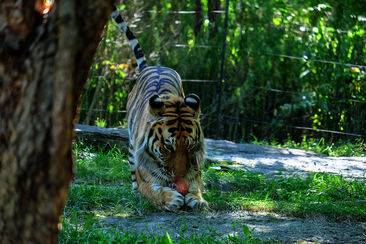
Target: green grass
[(320, 146), (318, 193), (102, 183), (102, 188), (90, 232)]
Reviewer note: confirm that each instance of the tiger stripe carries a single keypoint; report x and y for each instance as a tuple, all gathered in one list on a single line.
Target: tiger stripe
[(140, 58), (165, 136)]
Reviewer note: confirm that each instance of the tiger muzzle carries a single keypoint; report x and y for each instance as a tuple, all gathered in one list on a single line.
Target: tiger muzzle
[(180, 165)]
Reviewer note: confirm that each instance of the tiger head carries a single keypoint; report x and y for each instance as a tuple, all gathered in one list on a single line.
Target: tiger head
[(175, 137)]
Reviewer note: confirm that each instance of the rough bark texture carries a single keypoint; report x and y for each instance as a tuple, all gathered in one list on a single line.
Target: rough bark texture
[(44, 62)]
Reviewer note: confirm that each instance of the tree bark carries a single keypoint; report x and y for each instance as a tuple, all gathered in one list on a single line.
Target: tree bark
[(44, 62)]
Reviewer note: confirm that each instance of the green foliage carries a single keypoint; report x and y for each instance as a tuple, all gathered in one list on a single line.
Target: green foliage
[(105, 97), (100, 122), (320, 146), (288, 64)]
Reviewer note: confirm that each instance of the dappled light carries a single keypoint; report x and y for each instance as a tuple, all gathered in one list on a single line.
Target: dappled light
[(291, 69), (244, 205), (288, 160)]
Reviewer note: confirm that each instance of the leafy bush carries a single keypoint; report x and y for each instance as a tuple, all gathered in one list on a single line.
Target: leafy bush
[(291, 67)]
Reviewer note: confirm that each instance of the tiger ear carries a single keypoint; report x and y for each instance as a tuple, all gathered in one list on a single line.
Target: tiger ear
[(156, 105), (193, 101)]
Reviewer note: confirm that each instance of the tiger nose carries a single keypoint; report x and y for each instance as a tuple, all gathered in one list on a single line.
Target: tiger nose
[(180, 165), (180, 169)]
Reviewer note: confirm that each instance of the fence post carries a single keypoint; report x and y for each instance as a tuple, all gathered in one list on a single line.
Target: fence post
[(219, 85)]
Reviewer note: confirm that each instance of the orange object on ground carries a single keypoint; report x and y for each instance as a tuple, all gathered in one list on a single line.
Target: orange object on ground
[(180, 185)]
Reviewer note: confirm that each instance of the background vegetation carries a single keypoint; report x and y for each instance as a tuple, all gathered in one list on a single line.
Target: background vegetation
[(292, 68)]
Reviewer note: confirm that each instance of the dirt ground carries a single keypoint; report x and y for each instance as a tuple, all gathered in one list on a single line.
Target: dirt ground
[(270, 160), (267, 226)]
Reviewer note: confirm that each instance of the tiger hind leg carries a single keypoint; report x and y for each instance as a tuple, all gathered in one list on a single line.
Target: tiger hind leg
[(132, 162)]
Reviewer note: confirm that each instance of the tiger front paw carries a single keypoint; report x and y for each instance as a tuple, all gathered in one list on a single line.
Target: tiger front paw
[(195, 201), (171, 199)]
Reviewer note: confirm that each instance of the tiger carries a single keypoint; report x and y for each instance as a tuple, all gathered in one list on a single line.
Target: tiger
[(165, 135)]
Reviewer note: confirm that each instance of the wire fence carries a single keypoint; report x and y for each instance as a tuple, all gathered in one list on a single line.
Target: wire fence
[(216, 114)]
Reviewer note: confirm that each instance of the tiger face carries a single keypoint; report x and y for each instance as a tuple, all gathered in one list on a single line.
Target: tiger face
[(175, 136)]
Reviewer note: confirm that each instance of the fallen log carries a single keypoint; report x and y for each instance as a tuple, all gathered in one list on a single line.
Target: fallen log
[(107, 138), (238, 156), (104, 138)]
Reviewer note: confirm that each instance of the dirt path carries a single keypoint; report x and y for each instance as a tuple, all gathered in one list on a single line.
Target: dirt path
[(270, 160), (267, 226)]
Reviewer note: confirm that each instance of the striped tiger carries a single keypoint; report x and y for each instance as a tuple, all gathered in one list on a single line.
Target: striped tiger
[(165, 135)]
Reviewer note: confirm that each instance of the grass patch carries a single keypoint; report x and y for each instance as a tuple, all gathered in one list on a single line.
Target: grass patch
[(90, 232), (96, 166), (102, 183), (102, 188), (355, 148), (320, 193)]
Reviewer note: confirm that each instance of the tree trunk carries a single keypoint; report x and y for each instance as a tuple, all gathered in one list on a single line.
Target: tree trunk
[(213, 5), (44, 62), (198, 17)]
